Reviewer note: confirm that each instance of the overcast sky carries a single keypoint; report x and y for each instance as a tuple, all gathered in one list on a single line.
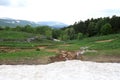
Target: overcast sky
[(67, 11)]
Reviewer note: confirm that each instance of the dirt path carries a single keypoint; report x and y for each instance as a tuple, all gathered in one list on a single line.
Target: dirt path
[(109, 40)]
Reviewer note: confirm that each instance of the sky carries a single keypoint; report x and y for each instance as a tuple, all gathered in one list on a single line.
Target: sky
[(66, 11)]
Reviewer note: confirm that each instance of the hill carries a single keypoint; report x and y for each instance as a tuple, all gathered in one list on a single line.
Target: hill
[(53, 24), (100, 49), (14, 22)]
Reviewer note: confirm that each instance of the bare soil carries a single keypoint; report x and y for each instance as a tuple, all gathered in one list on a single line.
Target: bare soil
[(42, 60), (109, 40), (102, 58)]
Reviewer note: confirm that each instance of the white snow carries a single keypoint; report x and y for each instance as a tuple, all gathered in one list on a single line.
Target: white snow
[(68, 70), (17, 21)]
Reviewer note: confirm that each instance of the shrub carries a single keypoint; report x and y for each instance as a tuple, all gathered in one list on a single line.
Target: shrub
[(106, 29), (38, 49)]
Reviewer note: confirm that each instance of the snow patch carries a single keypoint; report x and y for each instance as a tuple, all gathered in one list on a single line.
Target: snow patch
[(17, 21), (66, 70)]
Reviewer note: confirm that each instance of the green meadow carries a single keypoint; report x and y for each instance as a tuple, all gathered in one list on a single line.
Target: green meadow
[(107, 46)]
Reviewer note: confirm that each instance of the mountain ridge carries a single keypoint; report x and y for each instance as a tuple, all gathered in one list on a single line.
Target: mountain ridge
[(17, 22)]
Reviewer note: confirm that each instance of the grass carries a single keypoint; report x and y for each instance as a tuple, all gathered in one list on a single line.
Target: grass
[(24, 55), (106, 51), (25, 45), (17, 44), (112, 52), (110, 48), (93, 44), (15, 35)]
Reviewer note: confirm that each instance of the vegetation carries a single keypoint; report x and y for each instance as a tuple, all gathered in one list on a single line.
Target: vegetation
[(25, 55), (32, 43), (24, 52), (15, 35), (96, 27), (88, 28)]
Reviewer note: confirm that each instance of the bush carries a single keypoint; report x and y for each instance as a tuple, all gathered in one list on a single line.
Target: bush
[(80, 36), (106, 29), (38, 49)]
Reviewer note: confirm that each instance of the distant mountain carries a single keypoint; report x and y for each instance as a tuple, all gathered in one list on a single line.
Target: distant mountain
[(14, 22), (53, 24)]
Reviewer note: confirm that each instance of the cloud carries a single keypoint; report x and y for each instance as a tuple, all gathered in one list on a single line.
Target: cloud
[(4, 2), (111, 12), (13, 3), (18, 3), (67, 11)]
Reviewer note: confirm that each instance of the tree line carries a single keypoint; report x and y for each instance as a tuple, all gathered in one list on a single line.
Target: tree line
[(93, 27), (81, 29), (42, 30)]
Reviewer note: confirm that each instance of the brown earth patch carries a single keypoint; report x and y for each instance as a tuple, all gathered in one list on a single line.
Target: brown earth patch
[(41, 47), (66, 55), (52, 50), (8, 49), (102, 58), (105, 41), (65, 45), (42, 60)]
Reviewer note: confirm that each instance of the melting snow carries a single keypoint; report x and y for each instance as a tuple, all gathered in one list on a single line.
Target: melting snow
[(68, 70)]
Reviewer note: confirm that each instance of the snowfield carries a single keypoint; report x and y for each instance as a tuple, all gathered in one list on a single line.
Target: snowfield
[(68, 70)]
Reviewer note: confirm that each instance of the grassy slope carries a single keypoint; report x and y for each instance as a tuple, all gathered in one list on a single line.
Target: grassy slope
[(107, 48), (93, 43), (15, 35), (22, 52), (25, 57), (104, 49)]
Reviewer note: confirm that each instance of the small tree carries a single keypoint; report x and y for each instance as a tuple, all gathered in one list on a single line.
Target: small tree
[(63, 36), (56, 33), (7, 28), (106, 29), (70, 32), (29, 29), (18, 28), (48, 33), (80, 36), (1, 28)]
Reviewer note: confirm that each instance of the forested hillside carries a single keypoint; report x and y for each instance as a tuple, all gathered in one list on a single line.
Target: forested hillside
[(93, 27)]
